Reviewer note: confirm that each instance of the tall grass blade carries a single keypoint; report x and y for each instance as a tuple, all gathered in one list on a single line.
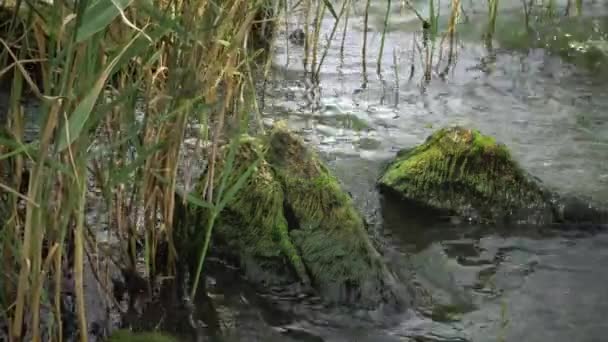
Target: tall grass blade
[(98, 15), (330, 7), (383, 38), (71, 130), (223, 201)]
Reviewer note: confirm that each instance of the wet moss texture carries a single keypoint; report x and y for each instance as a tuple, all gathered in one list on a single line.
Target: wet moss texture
[(466, 173), (293, 222)]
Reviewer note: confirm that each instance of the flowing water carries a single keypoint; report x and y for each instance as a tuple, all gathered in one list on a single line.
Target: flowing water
[(524, 284)]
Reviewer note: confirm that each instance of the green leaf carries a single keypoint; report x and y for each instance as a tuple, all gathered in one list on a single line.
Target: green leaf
[(18, 148), (72, 129), (231, 193), (195, 200), (141, 43), (98, 15), (228, 166), (189, 197), (330, 7)]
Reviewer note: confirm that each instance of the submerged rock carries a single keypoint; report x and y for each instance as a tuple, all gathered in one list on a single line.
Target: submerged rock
[(292, 221), (462, 172)]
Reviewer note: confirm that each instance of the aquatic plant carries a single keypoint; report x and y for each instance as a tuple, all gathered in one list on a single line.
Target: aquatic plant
[(492, 14), (364, 46), (118, 83)]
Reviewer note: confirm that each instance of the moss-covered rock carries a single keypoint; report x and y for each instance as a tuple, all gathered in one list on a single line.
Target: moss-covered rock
[(327, 229), (464, 172), (293, 222), (255, 226)]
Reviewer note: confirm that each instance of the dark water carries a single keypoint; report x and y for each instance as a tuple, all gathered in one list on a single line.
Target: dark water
[(534, 284)]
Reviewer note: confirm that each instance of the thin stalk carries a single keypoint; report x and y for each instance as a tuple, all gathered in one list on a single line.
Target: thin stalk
[(78, 261), (428, 62), (331, 38), (526, 16), (413, 57), (287, 19), (345, 29), (432, 17), (452, 29), (364, 48), (380, 53), (318, 20), (396, 75), (31, 220), (492, 13), (308, 9), (201, 260), (551, 8)]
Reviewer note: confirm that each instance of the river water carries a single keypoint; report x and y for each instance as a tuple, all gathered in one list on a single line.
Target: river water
[(525, 284)]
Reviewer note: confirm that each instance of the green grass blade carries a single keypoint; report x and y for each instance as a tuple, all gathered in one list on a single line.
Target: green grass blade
[(330, 7), (98, 15), (124, 174), (195, 200), (72, 129), (19, 148), (234, 189), (228, 166)]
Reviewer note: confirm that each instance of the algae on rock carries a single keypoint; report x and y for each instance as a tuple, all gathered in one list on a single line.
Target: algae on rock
[(467, 173), (293, 221), (254, 224), (326, 227)]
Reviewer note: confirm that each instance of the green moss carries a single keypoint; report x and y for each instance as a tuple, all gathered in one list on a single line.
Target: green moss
[(331, 235), (124, 335), (294, 215), (465, 172), (254, 224)]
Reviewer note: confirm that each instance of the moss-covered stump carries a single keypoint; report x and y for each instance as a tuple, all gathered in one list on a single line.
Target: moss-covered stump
[(293, 222), (463, 172)]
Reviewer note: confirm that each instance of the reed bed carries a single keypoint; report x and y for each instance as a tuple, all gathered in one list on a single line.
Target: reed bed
[(117, 82)]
